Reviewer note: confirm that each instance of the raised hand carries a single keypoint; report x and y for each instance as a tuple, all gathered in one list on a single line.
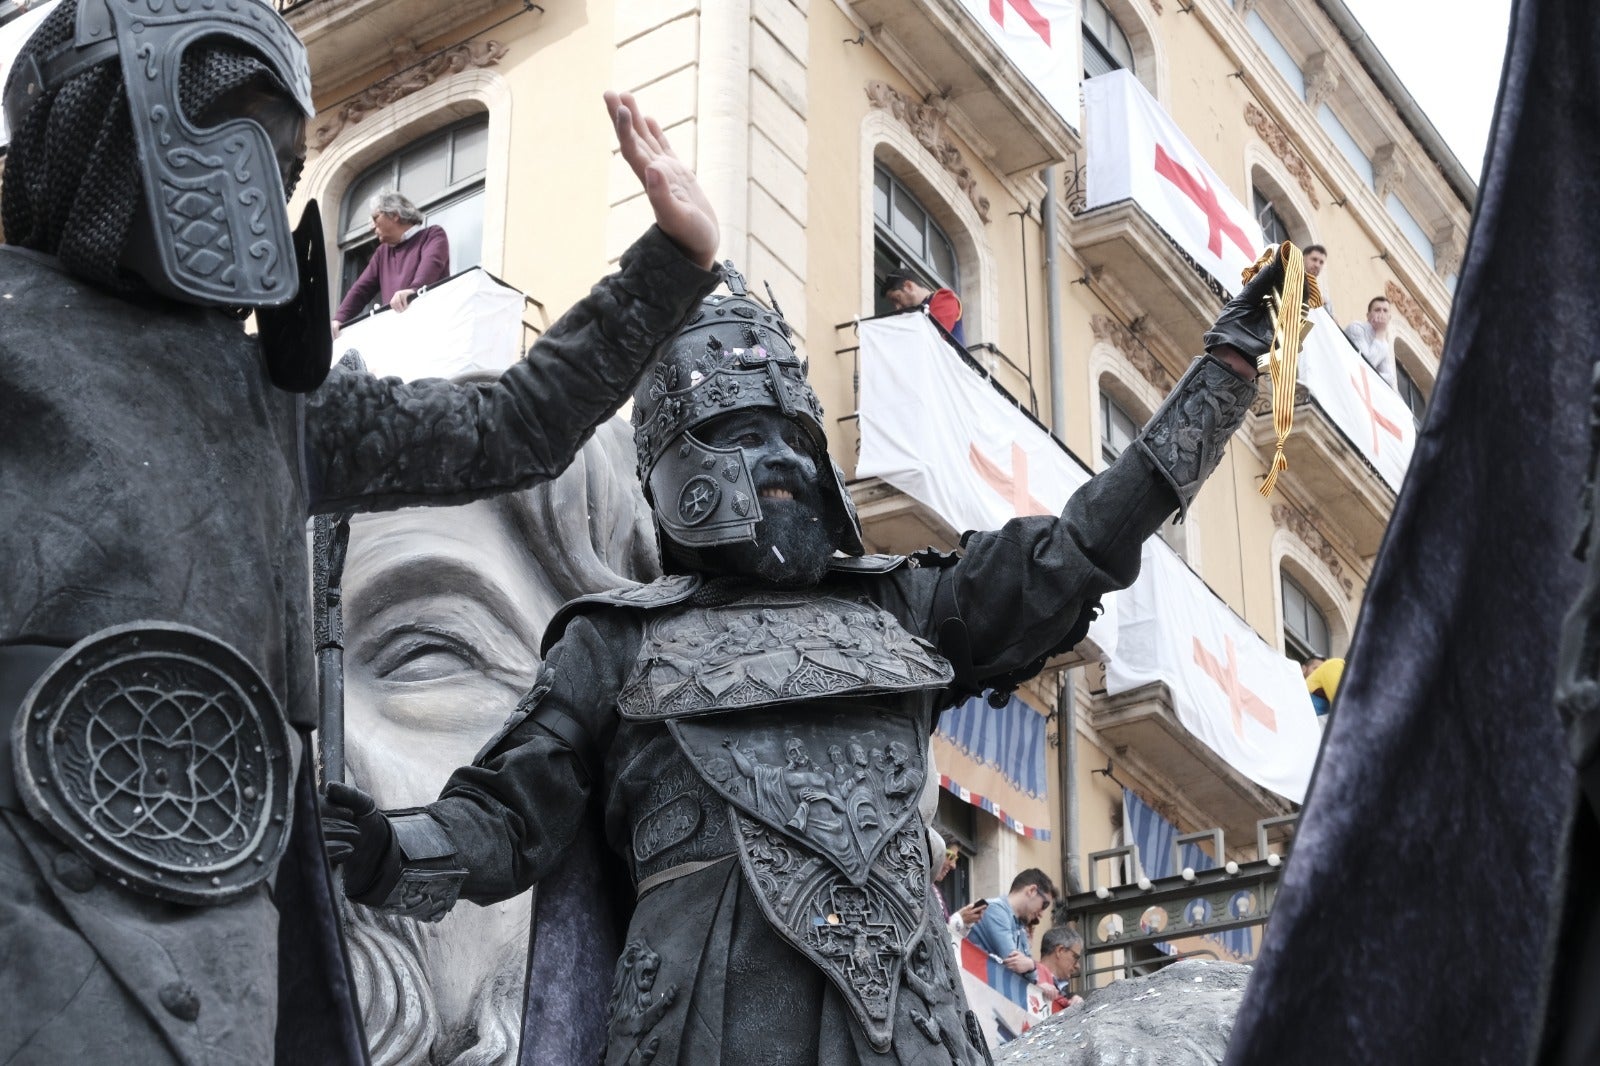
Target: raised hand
[(682, 210)]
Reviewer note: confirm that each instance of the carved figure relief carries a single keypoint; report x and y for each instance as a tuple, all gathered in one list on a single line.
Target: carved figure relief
[(401, 85), (1301, 526), (636, 1006), (1274, 137), (926, 123), (1415, 316), (1112, 332)]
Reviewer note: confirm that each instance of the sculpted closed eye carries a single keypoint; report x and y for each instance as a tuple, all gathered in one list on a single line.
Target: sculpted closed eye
[(417, 654)]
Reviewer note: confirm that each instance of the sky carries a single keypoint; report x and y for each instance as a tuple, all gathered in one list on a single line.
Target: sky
[(1448, 53)]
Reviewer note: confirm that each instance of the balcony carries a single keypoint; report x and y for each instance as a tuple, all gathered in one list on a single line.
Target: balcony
[(347, 39), (975, 78), (1327, 467), (1122, 241), (1142, 730)]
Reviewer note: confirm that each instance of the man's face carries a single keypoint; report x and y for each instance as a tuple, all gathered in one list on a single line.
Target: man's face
[(389, 228), (1034, 903), (1315, 262), (907, 296), (796, 753), (1308, 667), (1378, 315), (1063, 961), (796, 535)]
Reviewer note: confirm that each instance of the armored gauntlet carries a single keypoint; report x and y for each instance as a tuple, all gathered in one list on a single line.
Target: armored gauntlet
[(399, 861), (1186, 437)]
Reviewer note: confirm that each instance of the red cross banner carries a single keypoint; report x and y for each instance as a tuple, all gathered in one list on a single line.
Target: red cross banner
[(1136, 152), (1370, 414), (933, 428), (1043, 39), (1244, 699)]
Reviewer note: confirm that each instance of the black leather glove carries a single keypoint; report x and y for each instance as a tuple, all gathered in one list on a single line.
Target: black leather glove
[(1246, 320), (359, 837)]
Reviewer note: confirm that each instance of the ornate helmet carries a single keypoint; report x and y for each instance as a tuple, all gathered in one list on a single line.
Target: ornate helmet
[(733, 355), (213, 197)]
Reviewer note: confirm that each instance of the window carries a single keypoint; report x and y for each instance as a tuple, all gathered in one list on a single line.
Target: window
[(907, 238), (443, 175), (1277, 53), (1346, 143), (1105, 46), (1117, 429), (1273, 228), (1414, 233), (1305, 627), (1411, 393)]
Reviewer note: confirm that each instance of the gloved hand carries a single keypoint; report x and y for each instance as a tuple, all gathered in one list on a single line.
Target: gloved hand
[(358, 836), (1245, 323)]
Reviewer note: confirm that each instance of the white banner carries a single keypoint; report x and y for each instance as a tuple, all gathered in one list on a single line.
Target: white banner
[(13, 35), (1241, 697), (1044, 38), (1137, 152), (1359, 402), (933, 428), (471, 322)]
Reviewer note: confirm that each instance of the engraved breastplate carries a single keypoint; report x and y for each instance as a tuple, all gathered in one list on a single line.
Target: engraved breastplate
[(774, 648)]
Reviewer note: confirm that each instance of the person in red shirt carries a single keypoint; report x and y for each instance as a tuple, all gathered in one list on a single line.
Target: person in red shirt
[(906, 292), (409, 257), (1060, 953)]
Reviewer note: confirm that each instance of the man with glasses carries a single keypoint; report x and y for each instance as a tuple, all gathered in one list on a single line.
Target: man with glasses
[(1003, 929), (1060, 954)]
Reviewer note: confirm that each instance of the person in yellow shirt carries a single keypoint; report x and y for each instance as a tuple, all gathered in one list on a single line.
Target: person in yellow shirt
[(1322, 681)]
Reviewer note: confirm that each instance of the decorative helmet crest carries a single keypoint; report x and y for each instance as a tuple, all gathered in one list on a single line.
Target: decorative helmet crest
[(734, 354)]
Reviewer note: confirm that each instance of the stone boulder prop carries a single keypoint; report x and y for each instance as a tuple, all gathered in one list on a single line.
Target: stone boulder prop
[(1182, 1015)]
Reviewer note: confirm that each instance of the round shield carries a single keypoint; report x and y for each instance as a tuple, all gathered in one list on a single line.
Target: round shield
[(159, 754)]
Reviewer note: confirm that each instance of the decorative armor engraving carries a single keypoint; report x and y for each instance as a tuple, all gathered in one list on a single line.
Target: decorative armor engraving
[(635, 1005), (159, 754), (771, 648), (431, 875), (1186, 437)]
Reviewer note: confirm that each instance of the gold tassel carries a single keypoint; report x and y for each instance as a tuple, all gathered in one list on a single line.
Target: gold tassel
[(1291, 305)]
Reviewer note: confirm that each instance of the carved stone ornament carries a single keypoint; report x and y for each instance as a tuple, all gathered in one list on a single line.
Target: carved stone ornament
[(1388, 170), (1322, 80), (1415, 316), (771, 649), (1291, 519), (1449, 247), (927, 123), (1114, 333), (1271, 133), (402, 84)]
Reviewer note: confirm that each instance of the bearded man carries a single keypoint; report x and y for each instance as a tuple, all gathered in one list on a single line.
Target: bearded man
[(776, 921), (156, 471)]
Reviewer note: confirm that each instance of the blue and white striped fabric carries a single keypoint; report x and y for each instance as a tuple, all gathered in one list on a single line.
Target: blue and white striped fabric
[(1154, 836), (1011, 739)]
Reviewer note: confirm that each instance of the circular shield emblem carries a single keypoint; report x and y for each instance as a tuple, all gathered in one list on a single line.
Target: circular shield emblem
[(160, 754), (698, 500)]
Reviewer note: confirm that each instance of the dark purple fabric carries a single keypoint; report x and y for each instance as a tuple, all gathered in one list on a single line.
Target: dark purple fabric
[(1416, 914), (420, 260)]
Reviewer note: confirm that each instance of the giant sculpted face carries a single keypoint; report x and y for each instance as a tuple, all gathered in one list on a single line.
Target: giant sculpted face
[(444, 610)]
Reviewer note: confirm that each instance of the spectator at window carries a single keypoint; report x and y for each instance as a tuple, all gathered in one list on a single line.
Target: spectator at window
[(1322, 681), (1316, 257), (1060, 953), (1372, 339), (409, 258), (906, 293), (961, 922), (1003, 929)]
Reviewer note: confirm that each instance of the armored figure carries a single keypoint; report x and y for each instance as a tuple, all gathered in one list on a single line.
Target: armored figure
[(753, 726), (157, 468)]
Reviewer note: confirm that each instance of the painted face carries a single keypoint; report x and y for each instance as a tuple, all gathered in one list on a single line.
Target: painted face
[(795, 537)]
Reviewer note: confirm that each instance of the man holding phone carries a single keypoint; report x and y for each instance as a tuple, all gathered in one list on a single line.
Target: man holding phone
[(1002, 929)]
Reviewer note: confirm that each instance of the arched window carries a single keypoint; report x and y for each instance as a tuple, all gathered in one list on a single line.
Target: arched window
[(442, 174), (905, 237), (1305, 627), (1411, 393), (1105, 46), (1273, 229), (1117, 429)]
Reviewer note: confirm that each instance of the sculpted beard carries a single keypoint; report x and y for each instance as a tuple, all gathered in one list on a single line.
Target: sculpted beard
[(802, 531)]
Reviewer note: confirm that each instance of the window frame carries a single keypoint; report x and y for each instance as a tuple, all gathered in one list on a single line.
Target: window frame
[(1105, 51), (891, 252), (1299, 645)]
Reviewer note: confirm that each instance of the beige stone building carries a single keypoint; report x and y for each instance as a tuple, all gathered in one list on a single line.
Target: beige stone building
[(839, 138)]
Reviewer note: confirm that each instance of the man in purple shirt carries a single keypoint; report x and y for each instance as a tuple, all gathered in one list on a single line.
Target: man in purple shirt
[(409, 256)]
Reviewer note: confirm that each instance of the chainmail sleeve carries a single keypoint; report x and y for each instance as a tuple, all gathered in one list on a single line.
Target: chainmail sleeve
[(381, 443)]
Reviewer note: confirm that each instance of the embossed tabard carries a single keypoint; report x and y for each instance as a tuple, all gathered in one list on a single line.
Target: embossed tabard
[(770, 649)]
